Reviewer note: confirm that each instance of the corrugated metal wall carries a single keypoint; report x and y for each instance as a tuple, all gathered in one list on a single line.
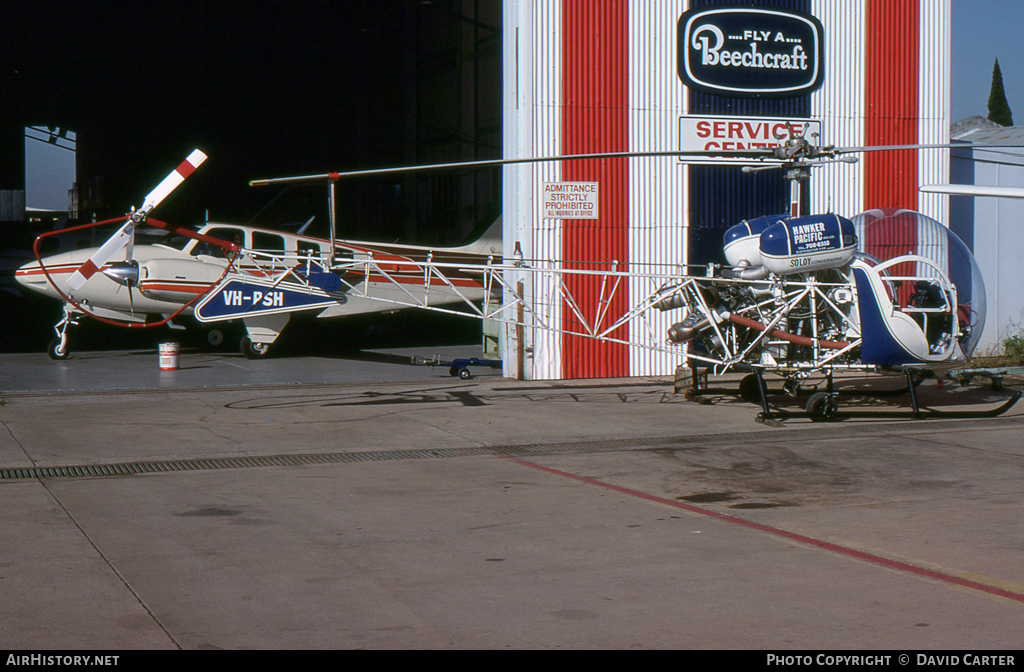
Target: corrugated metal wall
[(657, 187), (891, 93), (839, 103), (595, 99), (933, 106)]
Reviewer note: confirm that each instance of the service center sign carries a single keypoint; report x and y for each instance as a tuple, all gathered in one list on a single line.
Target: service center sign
[(698, 133), (750, 52)]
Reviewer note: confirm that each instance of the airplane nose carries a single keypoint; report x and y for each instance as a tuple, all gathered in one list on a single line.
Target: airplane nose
[(30, 275), (22, 273)]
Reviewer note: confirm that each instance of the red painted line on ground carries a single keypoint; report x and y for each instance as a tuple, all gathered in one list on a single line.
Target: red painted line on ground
[(792, 536)]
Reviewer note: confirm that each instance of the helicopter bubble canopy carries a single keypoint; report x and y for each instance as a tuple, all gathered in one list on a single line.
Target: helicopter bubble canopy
[(885, 234)]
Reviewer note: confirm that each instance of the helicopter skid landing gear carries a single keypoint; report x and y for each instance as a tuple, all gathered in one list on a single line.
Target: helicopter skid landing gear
[(755, 382), (912, 386)]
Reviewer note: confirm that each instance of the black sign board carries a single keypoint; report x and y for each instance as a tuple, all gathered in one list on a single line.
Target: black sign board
[(750, 52)]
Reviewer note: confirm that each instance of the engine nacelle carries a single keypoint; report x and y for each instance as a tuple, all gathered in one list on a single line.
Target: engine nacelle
[(807, 244), (177, 280)]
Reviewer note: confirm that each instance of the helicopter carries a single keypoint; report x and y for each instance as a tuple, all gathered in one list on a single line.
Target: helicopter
[(799, 294), (888, 291)]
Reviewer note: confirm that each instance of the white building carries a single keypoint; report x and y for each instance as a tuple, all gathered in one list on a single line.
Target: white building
[(993, 227)]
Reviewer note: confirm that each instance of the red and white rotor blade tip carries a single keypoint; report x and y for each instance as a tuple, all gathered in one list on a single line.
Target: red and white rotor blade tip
[(171, 182), (124, 234)]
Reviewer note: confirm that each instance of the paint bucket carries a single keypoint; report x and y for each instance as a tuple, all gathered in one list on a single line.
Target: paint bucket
[(169, 356)]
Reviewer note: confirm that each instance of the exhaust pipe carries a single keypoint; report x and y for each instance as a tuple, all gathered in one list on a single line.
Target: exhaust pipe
[(673, 301)]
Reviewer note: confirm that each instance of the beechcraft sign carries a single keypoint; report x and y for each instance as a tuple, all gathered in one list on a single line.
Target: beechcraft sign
[(750, 52)]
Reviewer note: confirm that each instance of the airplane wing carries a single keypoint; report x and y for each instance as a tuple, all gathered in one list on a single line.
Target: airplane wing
[(973, 190)]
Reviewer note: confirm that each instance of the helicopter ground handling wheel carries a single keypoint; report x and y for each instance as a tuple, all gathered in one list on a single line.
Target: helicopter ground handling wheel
[(749, 389), (822, 407)]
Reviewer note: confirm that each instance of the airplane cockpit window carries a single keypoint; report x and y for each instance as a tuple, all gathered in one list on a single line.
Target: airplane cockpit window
[(175, 242), (236, 236)]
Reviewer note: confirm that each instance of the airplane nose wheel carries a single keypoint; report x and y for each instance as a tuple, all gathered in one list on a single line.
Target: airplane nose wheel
[(58, 349), (822, 407)]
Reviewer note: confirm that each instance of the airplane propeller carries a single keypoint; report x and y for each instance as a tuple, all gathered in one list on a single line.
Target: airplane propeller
[(124, 235)]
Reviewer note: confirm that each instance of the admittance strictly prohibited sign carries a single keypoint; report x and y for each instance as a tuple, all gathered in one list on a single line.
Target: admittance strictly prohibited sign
[(570, 200)]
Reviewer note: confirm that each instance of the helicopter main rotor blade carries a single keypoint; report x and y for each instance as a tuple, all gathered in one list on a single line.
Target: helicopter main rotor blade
[(946, 145), (124, 234), (973, 190), (171, 182), (753, 154)]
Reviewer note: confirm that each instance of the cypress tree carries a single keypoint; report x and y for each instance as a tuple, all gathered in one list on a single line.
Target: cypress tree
[(998, 108)]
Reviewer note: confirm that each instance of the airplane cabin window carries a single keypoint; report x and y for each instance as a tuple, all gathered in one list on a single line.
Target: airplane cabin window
[(307, 249), (267, 242)]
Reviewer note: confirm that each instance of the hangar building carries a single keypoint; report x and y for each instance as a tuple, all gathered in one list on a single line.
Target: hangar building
[(584, 76)]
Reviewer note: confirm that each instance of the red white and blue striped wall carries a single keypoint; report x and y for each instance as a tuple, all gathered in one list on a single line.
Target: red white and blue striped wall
[(600, 75)]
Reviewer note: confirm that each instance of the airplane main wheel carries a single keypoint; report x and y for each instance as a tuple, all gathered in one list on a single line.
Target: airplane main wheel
[(56, 352), (214, 337), (253, 350), (822, 407)]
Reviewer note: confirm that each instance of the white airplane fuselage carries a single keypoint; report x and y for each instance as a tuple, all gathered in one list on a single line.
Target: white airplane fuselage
[(169, 276)]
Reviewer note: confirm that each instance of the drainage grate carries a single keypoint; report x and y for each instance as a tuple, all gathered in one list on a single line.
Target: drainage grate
[(209, 464), (816, 433)]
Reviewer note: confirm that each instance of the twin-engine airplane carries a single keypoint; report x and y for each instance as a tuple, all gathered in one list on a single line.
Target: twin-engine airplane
[(225, 273), (884, 292)]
